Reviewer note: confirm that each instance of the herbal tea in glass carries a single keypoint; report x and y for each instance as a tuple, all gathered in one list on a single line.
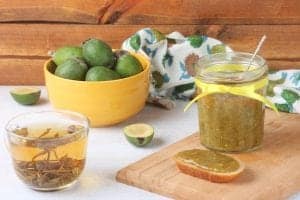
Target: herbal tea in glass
[(48, 149)]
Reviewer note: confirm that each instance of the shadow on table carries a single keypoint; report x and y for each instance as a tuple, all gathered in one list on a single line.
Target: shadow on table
[(88, 183), (42, 101), (156, 142)]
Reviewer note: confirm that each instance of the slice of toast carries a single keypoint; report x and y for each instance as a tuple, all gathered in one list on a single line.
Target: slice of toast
[(187, 167)]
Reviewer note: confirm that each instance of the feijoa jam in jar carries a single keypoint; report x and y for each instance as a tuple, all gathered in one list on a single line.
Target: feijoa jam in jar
[(231, 98)]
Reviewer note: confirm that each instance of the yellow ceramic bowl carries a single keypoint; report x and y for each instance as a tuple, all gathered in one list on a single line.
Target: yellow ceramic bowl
[(103, 102)]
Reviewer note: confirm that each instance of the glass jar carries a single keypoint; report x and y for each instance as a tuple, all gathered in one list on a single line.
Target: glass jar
[(230, 119), (48, 149)]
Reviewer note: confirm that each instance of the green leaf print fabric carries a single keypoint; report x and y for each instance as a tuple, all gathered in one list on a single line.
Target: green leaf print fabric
[(172, 66), (284, 90)]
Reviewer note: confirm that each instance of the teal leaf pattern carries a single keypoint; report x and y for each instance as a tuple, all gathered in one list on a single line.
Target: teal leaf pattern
[(184, 73), (208, 49), (147, 50), (295, 78), (283, 75), (184, 87), (167, 60), (152, 36), (153, 53), (179, 91), (166, 78)]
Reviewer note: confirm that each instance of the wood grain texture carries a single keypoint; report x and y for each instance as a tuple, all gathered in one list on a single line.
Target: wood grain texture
[(78, 11), (213, 12), (271, 172), (29, 71), (116, 9), (32, 42), (37, 39), (21, 71), (153, 11)]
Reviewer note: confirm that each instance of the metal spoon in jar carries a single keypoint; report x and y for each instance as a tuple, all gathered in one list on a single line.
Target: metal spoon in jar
[(264, 37)]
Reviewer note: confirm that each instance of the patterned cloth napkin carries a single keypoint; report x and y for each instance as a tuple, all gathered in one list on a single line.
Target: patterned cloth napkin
[(173, 56), (284, 90)]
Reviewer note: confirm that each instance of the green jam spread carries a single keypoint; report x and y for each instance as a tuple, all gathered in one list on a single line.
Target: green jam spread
[(209, 160)]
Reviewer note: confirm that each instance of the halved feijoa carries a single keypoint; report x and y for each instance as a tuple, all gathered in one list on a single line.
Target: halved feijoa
[(139, 134), (26, 95)]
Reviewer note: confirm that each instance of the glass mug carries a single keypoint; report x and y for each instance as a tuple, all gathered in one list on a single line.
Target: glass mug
[(48, 149), (232, 106)]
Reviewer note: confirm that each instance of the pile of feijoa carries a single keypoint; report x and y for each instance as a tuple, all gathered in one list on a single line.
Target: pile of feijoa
[(94, 60)]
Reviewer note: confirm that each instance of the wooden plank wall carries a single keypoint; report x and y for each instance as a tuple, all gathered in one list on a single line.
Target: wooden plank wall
[(29, 29)]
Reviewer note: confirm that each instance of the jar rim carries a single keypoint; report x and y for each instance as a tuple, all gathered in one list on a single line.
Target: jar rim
[(232, 60)]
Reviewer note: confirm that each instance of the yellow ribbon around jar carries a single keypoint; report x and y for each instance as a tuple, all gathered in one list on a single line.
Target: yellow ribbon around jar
[(246, 90)]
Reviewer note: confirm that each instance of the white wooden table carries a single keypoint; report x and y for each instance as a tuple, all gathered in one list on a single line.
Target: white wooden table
[(108, 151)]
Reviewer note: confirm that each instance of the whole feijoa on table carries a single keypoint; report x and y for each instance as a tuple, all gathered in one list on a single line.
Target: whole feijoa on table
[(94, 61), (73, 68), (139, 134), (64, 53)]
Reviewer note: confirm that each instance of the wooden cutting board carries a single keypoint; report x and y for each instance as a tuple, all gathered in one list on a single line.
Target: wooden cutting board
[(272, 172)]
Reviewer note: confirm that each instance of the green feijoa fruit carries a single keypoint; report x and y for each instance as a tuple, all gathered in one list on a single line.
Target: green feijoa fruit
[(117, 54), (139, 134), (97, 53), (26, 95), (127, 65), (73, 68), (120, 52), (64, 53), (100, 73)]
